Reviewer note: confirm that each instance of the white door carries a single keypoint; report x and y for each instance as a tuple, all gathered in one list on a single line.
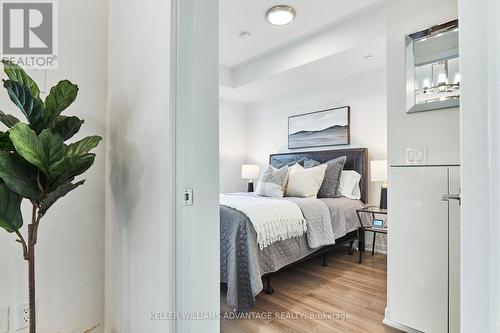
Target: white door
[(418, 239)]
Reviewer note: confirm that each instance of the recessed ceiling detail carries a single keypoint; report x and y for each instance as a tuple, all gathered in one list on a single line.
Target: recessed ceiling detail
[(244, 15), (281, 15), (345, 49)]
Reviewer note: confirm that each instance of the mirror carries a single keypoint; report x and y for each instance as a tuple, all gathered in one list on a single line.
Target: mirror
[(432, 68)]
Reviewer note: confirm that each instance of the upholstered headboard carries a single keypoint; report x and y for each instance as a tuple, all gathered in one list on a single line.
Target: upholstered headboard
[(356, 159)]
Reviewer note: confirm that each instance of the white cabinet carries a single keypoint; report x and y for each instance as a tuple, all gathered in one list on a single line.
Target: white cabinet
[(423, 248)]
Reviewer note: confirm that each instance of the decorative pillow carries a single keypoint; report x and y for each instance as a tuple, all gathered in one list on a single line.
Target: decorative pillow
[(329, 188), (280, 165), (272, 182), (305, 183), (349, 184), (309, 163)]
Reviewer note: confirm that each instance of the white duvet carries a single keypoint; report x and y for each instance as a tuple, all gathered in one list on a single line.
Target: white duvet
[(273, 219)]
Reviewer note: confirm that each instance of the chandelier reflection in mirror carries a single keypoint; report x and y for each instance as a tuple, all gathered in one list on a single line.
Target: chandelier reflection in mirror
[(432, 68)]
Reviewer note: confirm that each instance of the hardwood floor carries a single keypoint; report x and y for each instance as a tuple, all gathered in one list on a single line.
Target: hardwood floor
[(343, 297)]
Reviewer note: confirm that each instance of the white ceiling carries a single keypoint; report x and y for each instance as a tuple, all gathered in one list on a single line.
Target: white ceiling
[(248, 15), (328, 70)]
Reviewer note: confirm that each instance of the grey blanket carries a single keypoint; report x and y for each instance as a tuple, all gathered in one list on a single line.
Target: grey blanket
[(243, 264), (319, 223)]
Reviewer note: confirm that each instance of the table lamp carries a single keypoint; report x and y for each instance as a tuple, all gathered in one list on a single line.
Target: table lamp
[(250, 172), (379, 174)]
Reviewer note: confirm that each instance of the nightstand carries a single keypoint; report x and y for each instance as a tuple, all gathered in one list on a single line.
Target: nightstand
[(373, 211)]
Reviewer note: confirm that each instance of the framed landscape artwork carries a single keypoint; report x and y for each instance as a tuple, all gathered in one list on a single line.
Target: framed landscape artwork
[(321, 128)]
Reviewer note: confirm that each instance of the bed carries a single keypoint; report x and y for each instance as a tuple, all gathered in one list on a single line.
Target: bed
[(244, 265)]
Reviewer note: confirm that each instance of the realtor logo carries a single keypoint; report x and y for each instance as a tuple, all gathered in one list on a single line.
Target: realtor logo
[(29, 34)]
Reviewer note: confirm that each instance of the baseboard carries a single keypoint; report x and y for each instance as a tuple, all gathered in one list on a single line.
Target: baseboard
[(401, 327)]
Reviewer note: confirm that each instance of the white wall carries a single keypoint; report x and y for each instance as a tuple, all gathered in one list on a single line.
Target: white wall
[(138, 167), (162, 255), (70, 250), (233, 132), (267, 122), (480, 121), (438, 130)]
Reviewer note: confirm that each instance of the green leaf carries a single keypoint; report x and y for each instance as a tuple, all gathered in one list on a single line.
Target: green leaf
[(18, 177), (83, 146), (17, 74), (53, 145), (58, 193), (70, 167), (8, 120), (66, 127), (5, 143), (60, 98), (42, 151), (29, 146), (11, 218), (31, 107)]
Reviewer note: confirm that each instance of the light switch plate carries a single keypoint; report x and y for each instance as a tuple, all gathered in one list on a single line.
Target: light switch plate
[(416, 155), (22, 316), (4, 320)]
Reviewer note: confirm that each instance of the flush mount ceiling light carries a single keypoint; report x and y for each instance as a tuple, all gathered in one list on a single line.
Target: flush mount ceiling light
[(280, 15)]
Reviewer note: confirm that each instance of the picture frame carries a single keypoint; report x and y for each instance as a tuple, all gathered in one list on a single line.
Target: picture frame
[(330, 127)]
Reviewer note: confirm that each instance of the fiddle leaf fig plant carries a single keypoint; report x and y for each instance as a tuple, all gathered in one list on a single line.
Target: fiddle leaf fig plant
[(36, 162)]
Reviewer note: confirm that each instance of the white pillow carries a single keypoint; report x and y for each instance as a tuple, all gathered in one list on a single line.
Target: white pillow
[(349, 184), (305, 183)]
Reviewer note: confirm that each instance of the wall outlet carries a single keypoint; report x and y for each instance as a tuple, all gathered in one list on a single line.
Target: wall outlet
[(22, 316), (4, 320)]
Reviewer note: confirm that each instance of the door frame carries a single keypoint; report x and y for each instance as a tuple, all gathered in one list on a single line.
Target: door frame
[(172, 149), (480, 153), (195, 273)]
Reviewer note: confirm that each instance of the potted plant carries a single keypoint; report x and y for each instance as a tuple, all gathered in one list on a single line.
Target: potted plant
[(36, 162)]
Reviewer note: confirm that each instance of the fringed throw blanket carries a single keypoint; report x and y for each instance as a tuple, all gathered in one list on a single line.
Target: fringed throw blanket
[(273, 219)]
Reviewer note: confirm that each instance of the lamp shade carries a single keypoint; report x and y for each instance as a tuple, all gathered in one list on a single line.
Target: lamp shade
[(379, 171), (250, 171)]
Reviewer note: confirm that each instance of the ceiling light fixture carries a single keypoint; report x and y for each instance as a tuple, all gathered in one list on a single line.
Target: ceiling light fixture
[(369, 57), (280, 15)]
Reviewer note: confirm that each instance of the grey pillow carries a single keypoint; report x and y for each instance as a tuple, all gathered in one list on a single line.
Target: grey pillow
[(272, 182), (280, 165), (310, 163), (329, 188)]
